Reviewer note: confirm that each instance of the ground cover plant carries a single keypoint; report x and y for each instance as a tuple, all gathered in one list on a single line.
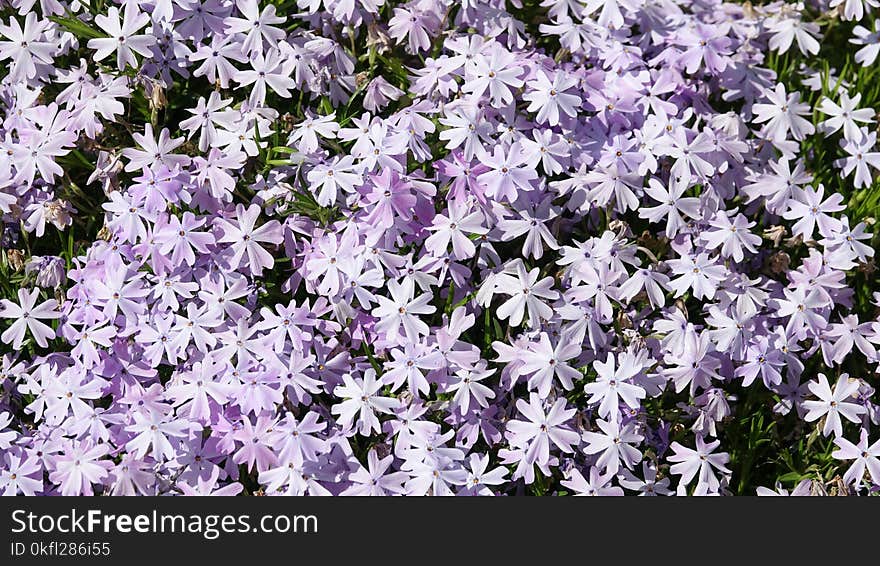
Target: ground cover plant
[(355, 247)]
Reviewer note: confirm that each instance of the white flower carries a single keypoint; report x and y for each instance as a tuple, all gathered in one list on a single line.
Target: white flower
[(362, 402), (871, 41), (497, 73), (549, 97), (614, 384), (206, 116), (845, 115), (122, 38), (327, 178), (690, 462), (731, 236), (788, 29), (614, 445), (854, 10), (25, 47), (460, 222), (783, 115), (26, 314), (306, 133), (526, 293), (832, 404), (865, 457), (402, 310), (468, 386)]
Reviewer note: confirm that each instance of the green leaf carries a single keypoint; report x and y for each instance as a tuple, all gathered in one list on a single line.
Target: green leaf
[(791, 477), (77, 27)]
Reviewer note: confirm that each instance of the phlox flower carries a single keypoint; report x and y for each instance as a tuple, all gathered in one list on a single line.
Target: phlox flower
[(871, 41), (549, 97), (79, 467), (540, 429), (362, 402), (845, 115), (614, 384), (508, 173), (28, 314), (245, 238), (455, 227), (526, 294), (783, 115), (123, 38), (497, 73), (614, 445), (832, 404), (26, 46), (700, 463), (864, 456), (402, 310)]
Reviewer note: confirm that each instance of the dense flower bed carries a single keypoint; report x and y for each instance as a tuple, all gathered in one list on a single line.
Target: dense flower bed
[(433, 247)]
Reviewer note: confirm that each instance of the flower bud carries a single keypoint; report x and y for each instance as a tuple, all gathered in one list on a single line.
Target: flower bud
[(48, 271), (16, 259)]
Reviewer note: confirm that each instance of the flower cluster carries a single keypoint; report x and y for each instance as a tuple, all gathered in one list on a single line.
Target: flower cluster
[(434, 248)]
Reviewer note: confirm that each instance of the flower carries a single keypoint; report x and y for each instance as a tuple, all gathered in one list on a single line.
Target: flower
[(614, 445), (784, 115), (152, 432), (79, 467), (305, 135), (455, 227), (412, 25), (699, 273), (28, 315), (48, 271), (468, 385), (246, 239), (549, 97), (861, 154), (480, 478), (833, 404), (362, 402), (154, 151), (526, 292), (846, 115), (374, 480), (497, 73), (26, 47), (207, 116), (598, 485), (544, 361), (379, 93), (671, 206), (122, 36), (788, 29), (866, 457), (854, 9), (732, 236), (871, 41), (689, 463), (256, 24), (536, 433), (21, 474), (614, 384), (507, 173), (402, 310), (649, 486)]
